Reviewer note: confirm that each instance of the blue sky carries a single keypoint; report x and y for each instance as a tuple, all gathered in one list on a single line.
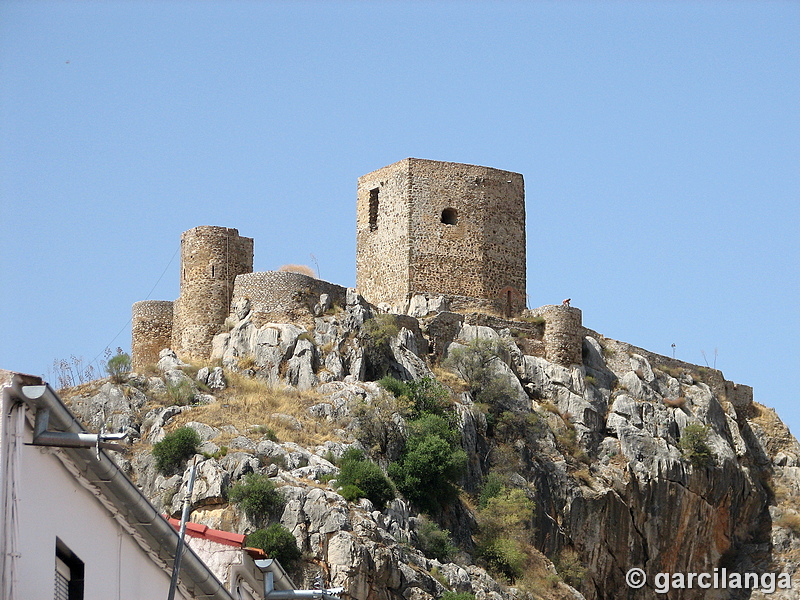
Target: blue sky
[(659, 141)]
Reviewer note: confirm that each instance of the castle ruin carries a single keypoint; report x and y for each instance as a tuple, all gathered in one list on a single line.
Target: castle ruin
[(424, 228)]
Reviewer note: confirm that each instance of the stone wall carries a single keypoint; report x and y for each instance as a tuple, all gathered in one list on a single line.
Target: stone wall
[(151, 332), (443, 228), (211, 258), (279, 296), (740, 395), (563, 333), (383, 238)]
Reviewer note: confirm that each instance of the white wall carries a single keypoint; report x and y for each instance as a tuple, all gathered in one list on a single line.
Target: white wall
[(54, 504)]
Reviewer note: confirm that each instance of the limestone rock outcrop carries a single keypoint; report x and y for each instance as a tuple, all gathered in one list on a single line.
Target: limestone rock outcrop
[(602, 447)]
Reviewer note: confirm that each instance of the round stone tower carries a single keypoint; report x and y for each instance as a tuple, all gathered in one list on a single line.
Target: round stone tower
[(151, 332), (563, 342), (211, 258)]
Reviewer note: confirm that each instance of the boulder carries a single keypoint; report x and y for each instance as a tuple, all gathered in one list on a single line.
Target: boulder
[(169, 361)]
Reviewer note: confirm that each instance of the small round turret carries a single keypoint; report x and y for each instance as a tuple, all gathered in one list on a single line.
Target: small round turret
[(563, 342), (151, 332)]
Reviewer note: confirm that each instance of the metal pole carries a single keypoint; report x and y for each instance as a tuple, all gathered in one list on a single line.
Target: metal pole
[(184, 518)]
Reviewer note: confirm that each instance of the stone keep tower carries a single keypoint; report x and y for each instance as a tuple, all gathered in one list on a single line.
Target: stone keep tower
[(211, 258), (430, 227)]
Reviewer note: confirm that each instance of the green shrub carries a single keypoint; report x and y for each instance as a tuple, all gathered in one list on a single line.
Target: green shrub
[(380, 330), (433, 542), (427, 471), (352, 453), (378, 427), (498, 394), (257, 496), (510, 426), (351, 492), (361, 478), (267, 432), (277, 541), (429, 424), (118, 366), (567, 439), (180, 393), (694, 445), (395, 386), (431, 463), (437, 574), (175, 448), (448, 595), (472, 362), (493, 485), (505, 531), (377, 334), (425, 395), (504, 555), (569, 566)]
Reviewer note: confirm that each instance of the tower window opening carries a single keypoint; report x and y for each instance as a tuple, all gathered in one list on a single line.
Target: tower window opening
[(373, 209), (449, 216)]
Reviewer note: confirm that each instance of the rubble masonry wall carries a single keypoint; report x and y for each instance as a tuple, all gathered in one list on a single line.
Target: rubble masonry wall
[(211, 258), (278, 296), (445, 228), (151, 332)]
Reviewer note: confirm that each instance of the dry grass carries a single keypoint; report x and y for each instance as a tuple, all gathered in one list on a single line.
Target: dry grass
[(537, 320), (584, 475), (90, 388), (248, 402), (674, 372), (791, 522), (540, 581), (782, 493), (246, 362), (451, 380), (675, 402), (301, 269), (550, 407)]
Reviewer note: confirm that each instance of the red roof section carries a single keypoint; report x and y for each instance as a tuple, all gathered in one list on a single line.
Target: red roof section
[(215, 535)]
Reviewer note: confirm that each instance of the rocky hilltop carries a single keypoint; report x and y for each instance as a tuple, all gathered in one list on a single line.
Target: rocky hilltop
[(565, 477)]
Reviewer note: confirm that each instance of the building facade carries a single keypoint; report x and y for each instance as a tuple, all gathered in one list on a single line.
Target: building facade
[(73, 526)]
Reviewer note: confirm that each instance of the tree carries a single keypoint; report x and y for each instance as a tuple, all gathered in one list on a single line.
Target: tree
[(505, 527), (362, 478), (694, 445), (431, 463), (473, 362)]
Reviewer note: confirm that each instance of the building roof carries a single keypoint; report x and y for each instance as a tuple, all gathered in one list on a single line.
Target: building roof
[(196, 530)]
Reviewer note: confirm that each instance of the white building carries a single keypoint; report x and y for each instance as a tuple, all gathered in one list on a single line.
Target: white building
[(74, 527)]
